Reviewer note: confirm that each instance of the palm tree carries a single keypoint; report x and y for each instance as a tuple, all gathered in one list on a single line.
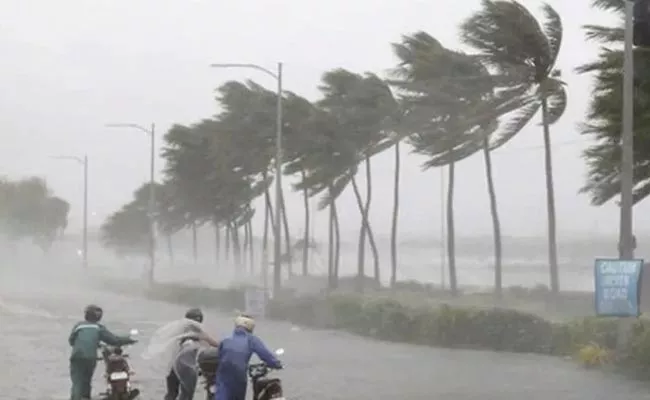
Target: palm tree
[(523, 52), (187, 197), (324, 162), (297, 111), (249, 117), (433, 82), (363, 107), (605, 112)]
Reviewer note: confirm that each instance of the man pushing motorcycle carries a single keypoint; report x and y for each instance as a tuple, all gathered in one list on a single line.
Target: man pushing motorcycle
[(234, 354), (182, 378), (85, 339)]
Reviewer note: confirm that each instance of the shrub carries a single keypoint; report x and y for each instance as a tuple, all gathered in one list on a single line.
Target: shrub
[(570, 337), (638, 352), (593, 355), (388, 319)]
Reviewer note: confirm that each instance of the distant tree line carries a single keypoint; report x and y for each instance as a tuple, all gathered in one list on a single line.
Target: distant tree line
[(28, 210)]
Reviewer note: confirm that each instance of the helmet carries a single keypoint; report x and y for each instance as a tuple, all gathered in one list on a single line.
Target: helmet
[(93, 313), (245, 321), (195, 314)]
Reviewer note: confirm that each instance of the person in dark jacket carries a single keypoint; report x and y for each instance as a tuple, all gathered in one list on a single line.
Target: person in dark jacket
[(234, 354), (85, 339)]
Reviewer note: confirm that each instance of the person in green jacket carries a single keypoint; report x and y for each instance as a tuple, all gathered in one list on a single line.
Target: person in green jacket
[(85, 339)]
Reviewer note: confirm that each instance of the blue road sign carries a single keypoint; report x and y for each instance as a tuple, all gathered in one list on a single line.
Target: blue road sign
[(618, 287)]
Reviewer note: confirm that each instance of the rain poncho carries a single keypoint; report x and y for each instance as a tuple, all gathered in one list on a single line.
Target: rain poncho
[(234, 354), (184, 366), (165, 342), (172, 346)]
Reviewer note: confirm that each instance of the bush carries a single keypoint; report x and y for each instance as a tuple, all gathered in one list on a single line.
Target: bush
[(570, 337), (388, 319), (594, 355)]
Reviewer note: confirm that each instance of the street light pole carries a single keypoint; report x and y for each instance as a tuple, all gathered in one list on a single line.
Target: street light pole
[(152, 193), (277, 254), (85, 229), (277, 270), (152, 206), (443, 234), (626, 234), (84, 162), (626, 238)]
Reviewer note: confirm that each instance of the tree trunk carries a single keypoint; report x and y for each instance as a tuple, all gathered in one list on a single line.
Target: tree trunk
[(361, 251), (170, 248), (195, 247), (269, 207), (269, 222), (330, 247), (228, 235), (287, 238), (375, 255), (550, 202), (251, 247), (366, 216), (245, 248), (305, 238), (265, 242), (236, 247), (451, 234), (393, 231), (337, 246), (217, 241), (496, 225)]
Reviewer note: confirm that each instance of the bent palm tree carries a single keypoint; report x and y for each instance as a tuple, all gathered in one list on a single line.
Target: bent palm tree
[(441, 90), (523, 53)]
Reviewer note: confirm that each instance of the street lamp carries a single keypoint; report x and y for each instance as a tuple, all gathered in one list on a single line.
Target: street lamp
[(152, 193), (626, 238), (626, 235), (277, 270), (84, 163)]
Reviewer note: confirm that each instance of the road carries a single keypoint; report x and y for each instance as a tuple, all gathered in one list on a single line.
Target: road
[(35, 321)]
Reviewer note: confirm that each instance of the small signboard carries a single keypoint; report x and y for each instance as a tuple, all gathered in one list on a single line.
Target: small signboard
[(256, 301), (618, 287)]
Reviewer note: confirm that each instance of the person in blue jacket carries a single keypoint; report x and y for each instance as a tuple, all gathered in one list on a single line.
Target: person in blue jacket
[(234, 354)]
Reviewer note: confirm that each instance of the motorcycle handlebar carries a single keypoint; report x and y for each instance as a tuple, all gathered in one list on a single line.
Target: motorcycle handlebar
[(262, 367)]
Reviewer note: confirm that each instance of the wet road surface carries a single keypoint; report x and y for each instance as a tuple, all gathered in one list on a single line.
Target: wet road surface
[(35, 322)]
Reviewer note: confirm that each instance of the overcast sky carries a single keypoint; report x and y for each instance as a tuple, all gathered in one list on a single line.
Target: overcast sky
[(70, 66)]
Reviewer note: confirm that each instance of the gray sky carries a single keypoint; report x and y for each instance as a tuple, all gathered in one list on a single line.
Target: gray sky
[(70, 66)]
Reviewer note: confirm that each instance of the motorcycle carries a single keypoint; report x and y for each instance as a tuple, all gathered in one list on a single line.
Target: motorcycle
[(118, 373), (263, 388), (207, 368)]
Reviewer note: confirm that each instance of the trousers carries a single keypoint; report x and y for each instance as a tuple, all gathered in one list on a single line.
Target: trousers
[(187, 391), (81, 375), (188, 379), (173, 386)]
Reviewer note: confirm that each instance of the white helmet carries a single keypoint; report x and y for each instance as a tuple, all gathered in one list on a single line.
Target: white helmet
[(245, 321)]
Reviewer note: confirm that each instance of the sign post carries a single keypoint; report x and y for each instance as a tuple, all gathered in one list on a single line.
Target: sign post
[(618, 287), (256, 300)]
